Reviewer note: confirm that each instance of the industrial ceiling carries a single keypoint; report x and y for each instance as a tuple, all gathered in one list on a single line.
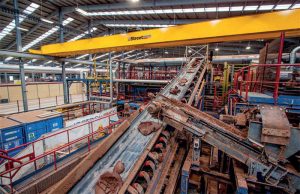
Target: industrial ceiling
[(39, 22)]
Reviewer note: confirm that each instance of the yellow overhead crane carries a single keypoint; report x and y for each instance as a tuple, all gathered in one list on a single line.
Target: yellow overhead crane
[(250, 27)]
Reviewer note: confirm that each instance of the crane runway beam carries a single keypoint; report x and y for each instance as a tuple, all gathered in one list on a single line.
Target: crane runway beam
[(250, 27)]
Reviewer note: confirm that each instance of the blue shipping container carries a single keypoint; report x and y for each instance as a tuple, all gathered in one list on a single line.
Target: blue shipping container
[(11, 135), (54, 124), (36, 123), (35, 130)]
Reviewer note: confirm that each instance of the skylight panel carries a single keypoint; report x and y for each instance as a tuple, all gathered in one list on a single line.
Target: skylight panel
[(167, 10), (83, 34), (150, 12), (282, 6), (265, 7), (199, 10), (236, 8), (251, 8), (221, 9), (45, 35), (158, 11), (29, 10), (296, 6), (210, 9), (191, 10)]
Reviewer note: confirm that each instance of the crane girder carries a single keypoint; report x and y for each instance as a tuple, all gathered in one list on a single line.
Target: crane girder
[(249, 27)]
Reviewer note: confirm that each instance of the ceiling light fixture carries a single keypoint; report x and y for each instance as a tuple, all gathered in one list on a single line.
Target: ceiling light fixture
[(47, 21), (23, 29)]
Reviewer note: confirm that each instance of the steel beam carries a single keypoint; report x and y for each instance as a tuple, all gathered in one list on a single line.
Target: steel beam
[(63, 65), (144, 4), (266, 25), (43, 57), (34, 28), (147, 22)]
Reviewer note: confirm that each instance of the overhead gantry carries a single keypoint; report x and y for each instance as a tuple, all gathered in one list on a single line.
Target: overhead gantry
[(250, 27)]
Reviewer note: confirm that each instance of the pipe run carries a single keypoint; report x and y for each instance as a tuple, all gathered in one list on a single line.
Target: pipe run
[(43, 57), (293, 55)]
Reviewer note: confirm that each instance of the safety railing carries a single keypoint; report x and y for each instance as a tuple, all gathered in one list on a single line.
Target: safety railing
[(153, 75), (134, 98), (33, 104), (265, 78), (50, 157)]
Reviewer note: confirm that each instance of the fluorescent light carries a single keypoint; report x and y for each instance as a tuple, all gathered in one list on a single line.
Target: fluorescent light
[(217, 49), (82, 35), (8, 58), (248, 47), (45, 20), (166, 52), (81, 11), (29, 10), (45, 35), (23, 29), (251, 8), (265, 7), (77, 65), (48, 62), (296, 6), (135, 0), (189, 51), (236, 8), (126, 53), (82, 56)]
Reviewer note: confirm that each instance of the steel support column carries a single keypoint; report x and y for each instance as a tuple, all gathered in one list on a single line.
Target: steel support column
[(63, 66), (21, 65), (90, 55), (5, 78), (110, 78)]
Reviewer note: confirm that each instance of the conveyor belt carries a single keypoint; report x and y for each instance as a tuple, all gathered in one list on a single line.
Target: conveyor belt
[(132, 143)]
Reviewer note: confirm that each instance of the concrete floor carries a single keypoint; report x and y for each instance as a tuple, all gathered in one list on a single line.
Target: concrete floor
[(14, 107)]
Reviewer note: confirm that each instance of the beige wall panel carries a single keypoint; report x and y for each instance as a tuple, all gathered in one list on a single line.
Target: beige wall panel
[(73, 89), (3, 92), (43, 90), (15, 93), (32, 92), (61, 90), (79, 89), (54, 90)]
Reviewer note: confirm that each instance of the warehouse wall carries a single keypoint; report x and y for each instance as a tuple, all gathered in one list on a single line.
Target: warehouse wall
[(37, 90)]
